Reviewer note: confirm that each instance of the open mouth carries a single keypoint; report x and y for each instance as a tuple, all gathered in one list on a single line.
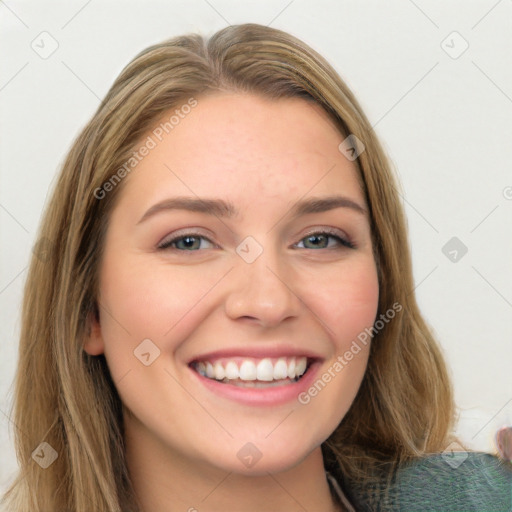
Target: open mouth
[(253, 372)]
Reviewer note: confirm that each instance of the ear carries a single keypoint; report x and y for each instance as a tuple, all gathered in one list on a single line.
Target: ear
[(93, 342)]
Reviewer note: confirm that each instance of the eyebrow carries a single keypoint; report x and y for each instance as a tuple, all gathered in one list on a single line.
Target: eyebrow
[(221, 208)]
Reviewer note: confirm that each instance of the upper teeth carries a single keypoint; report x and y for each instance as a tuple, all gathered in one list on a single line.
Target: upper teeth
[(252, 369)]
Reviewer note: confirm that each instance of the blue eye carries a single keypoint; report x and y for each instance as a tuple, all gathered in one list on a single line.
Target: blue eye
[(317, 240), (189, 242), (321, 239)]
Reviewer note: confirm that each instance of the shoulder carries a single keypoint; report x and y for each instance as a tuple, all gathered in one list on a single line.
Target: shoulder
[(456, 481), (459, 481)]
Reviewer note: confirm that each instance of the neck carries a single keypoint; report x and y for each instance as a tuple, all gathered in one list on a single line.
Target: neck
[(165, 482)]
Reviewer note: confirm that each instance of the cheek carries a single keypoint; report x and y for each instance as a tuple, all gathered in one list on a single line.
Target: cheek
[(345, 299), (143, 300)]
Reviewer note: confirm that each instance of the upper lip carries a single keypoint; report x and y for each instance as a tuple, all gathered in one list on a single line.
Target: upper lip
[(256, 353)]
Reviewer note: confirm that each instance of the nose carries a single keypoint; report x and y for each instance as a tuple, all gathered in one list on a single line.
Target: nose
[(263, 291)]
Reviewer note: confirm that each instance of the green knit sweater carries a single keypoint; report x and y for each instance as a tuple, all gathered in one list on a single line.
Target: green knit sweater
[(439, 483)]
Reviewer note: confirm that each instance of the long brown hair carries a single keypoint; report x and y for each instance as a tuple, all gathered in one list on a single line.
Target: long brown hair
[(66, 398)]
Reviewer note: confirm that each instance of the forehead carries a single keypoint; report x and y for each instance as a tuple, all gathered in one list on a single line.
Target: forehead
[(248, 148)]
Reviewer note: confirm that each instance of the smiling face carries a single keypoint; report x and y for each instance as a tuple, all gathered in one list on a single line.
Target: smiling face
[(256, 265)]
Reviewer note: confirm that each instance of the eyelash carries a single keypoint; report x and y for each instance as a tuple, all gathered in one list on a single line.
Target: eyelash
[(344, 243)]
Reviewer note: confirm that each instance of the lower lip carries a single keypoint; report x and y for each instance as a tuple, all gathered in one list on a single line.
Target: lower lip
[(276, 395)]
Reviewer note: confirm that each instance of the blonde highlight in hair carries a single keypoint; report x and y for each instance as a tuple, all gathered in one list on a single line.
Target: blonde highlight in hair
[(65, 397)]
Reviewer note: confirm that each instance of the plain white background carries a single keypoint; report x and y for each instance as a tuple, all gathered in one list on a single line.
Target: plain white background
[(443, 112)]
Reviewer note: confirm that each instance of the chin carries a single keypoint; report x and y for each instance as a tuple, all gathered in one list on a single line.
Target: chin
[(275, 454), (276, 462)]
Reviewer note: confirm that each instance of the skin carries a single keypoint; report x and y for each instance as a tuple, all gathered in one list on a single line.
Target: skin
[(182, 439)]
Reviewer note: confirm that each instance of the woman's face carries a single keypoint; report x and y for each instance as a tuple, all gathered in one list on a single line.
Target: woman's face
[(240, 246)]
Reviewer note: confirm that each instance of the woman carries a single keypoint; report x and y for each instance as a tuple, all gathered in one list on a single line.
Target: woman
[(219, 312)]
